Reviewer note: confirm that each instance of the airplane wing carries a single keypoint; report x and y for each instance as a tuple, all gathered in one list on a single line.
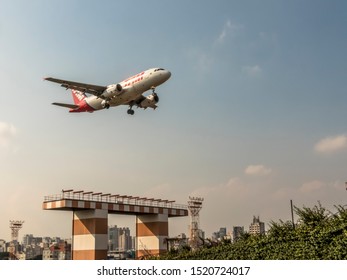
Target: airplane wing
[(92, 89), (71, 106)]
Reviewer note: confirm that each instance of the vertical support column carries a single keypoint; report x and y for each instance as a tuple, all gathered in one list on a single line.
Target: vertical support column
[(89, 235), (151, 232)]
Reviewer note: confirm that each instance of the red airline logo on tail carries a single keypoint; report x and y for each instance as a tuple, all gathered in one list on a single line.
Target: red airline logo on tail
[(78, 96)]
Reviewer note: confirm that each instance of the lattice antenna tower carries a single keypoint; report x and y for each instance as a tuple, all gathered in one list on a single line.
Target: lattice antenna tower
[(15, 226), (194, 207)]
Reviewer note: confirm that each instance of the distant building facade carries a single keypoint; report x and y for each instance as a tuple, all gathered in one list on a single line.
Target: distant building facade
[(219, 235), (178, 242), (237, 232), (112, 238), (57, 251), (222, 232), (2, 246), (257, 227), (119, 239), (124, 239)]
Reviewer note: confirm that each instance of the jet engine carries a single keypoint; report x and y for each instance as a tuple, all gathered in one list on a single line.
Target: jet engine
[(150, 101), (114, 89)]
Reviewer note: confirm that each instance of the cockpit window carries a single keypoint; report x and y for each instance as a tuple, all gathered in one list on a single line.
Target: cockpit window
[(158, 69)]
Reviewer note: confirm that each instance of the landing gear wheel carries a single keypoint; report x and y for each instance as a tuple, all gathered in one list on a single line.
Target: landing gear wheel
[(131, 112), (153, 90), (107, 106)]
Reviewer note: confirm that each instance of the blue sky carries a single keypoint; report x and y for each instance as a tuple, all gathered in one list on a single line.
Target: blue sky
[(254, 114)]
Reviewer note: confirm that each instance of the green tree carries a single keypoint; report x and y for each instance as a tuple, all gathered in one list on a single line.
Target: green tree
[(318, 234)]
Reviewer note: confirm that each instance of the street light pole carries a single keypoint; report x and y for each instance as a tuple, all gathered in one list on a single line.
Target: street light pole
[(291, 207)]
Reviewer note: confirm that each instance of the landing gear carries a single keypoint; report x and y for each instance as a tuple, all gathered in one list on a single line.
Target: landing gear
[(131, 111), (105, 104)]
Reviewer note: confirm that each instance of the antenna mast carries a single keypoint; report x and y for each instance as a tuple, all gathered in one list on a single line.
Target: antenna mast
[(194, 207), (15, 226)]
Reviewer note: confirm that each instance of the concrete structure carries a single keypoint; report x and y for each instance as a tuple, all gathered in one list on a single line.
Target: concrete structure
[(57, 251), (151, 232), (124, 239), (219, 235), (90, 221), (2, 246), (257, 227), (237, 232), (90, 234), (119, 239)]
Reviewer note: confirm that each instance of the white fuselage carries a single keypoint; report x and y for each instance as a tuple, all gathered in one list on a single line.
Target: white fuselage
[(132, 88)]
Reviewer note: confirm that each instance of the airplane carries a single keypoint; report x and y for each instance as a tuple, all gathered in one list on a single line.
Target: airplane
[(128, 92)]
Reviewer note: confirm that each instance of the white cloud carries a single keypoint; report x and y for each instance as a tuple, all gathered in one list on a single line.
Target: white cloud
[(257, 170), (312, 186), (228, 29), (322, 188), (7, 133), (331, 144), (252, 71)]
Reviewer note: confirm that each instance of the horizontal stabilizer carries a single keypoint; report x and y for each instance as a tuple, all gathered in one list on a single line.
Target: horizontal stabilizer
[(71, 106)]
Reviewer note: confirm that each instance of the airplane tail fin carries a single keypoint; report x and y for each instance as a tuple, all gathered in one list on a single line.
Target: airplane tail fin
[(78, 96)]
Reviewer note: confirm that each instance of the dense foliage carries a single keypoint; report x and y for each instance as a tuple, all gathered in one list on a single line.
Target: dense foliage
[(318, 234), (4, 256)]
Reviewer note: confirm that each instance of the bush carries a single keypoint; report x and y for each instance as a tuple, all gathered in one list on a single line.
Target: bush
[(318, 234)]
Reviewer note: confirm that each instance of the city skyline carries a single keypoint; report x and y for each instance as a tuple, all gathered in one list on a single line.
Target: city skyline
[(252, 117), (22, 239)]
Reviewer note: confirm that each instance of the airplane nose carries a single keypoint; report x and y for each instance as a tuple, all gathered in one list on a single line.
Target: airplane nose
[(163, 75)]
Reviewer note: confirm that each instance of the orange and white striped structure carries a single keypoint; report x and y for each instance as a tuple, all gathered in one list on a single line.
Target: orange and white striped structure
[(90, 236), (90, 221), (151, 233)]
